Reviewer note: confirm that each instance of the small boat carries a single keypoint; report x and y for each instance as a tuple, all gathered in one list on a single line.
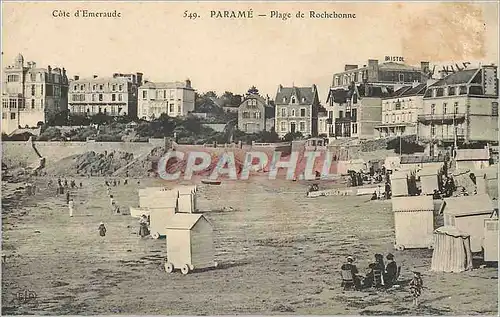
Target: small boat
[(210, 182)]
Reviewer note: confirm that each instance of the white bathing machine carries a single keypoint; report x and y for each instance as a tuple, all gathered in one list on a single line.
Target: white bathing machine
[(190, 243), (413, 221), (467, 214)]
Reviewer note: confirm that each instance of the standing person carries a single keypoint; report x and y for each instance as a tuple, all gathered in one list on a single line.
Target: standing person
[(112, 203), (71, 205), (66, 183), (81, 185), (67, 197), (416, 286), (125, 182), (143, 226), (102, 230)]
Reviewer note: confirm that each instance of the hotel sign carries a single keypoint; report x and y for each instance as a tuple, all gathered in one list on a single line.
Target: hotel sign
[(394, 59)]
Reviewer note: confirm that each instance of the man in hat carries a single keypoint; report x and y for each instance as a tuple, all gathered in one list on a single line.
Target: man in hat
[(350, 266)]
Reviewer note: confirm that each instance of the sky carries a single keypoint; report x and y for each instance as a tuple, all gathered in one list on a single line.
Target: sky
[(234, 54)]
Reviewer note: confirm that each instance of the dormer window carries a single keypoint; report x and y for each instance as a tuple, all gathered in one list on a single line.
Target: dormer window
[(303, 99), (293, 112), (284, 99), (294, 100)]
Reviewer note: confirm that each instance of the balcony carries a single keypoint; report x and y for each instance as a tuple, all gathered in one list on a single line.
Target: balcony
[(441, 117)]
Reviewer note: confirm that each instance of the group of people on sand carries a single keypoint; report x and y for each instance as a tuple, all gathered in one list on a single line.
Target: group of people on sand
[(381, 275)]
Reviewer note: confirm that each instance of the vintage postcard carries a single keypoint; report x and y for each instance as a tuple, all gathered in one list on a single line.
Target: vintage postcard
[(249, 158)]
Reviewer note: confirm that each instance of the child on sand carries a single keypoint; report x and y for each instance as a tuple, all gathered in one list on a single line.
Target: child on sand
[(416, 285), (102, 230)]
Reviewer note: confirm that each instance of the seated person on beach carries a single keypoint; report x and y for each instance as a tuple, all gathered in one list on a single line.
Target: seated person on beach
[(391, 271), (350, 266), (374, 196)]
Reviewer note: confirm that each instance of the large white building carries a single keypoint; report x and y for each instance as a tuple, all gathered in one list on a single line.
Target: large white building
[(114, 96), (32, 95), (175, 99)]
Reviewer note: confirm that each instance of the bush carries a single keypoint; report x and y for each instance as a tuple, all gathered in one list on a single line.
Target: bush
[(51, 134)]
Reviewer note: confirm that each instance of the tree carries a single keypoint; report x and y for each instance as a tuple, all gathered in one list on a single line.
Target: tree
[(253, 91), (292, 136), (210, 94), (269, 136), (101, 118), (59, 119), (78, 119)]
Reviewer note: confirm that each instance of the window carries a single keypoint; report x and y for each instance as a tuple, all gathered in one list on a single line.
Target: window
[(386, 118), (433, 130), (12, 78), (41, 89), (302, 112), (294, 100), (164, 94), (439, 92), (94, 87), (401, 78), (33, 88), (494, 108), (354, 128), (455, 107), (393, 118), (463, 90), (398, 105), (82, 87), (284, 99), (171, 108), (120, 87), (75, 87), (403, 117), (283, 126), (354, 115), (341, 114), (445, 108), (100, 97), (144, 94), (246, 114), (179, 109), (302, 126), (433, 108), (283, 112), (12, 115), (93, 97), (114, 87), (101, 87), (113, 97), (452, 91), (12, 103), (32, 103), (257, 115), (120, 97)]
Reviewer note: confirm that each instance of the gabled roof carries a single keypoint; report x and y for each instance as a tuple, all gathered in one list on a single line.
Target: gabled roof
[(412, 203), (457, 78), (307, 93), (184, 221), (468, 205), (408, 91), (472, 155)]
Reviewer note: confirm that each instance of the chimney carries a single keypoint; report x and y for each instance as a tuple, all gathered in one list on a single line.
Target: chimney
[(76, 77), (424, 71), (49, 69), (139, 78), (188, 83), (279, 88), (64, 71), (95, 76), (33, 64), (350, 67), (373, 70)]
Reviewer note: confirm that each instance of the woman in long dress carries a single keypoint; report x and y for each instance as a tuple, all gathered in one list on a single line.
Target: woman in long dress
[(143, 226)]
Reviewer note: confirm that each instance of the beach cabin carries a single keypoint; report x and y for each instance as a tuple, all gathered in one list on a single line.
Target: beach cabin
[(138, 212), (160, 199), (468, 213), (452, 252), (190, 243), (414, 162), (490, 242), (429, 180), (399, 183), (473, 159), (187, 199), (413, 221)]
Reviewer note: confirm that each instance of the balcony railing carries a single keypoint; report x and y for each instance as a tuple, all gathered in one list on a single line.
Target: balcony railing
[(441, 117)]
